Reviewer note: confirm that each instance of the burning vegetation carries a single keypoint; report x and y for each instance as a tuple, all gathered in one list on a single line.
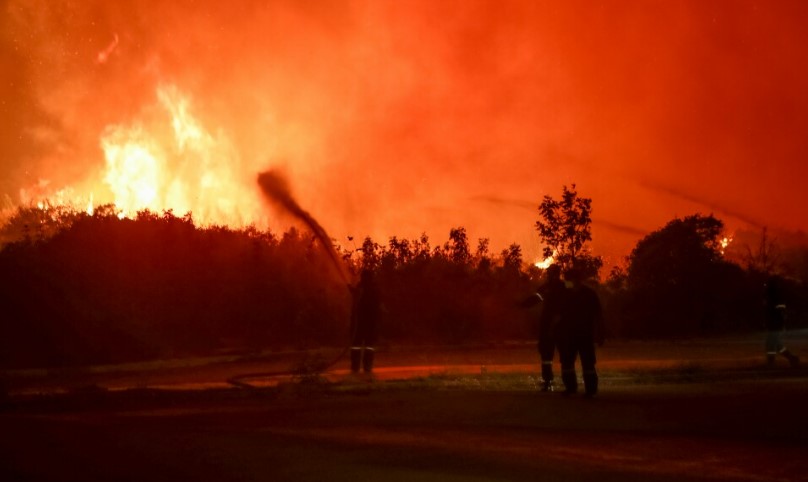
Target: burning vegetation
[(133, 226)]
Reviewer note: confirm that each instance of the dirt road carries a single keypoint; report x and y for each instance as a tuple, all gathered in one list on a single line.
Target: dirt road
[(616, 359), (745, 430), (698, 410)]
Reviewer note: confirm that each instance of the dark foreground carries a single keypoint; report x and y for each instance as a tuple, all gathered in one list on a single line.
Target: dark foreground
[(753, 429)]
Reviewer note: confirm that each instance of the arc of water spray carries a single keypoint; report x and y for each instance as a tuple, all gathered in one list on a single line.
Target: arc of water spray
[(275, 188)]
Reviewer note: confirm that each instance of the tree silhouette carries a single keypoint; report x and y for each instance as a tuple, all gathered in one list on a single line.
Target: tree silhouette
[(104, 289), (676, 253), (565, 230), (679, 282), (457, 248), (765, 258), (512, 257)]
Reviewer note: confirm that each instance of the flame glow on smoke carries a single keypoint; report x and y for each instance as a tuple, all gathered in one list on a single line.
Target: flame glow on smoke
[(403, 118), (164, 160), (175, 163)]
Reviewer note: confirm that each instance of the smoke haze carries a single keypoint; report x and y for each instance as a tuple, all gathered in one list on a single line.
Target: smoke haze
[(403, 117)]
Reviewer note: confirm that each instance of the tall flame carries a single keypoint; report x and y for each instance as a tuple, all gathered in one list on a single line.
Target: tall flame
[(132, 169), (178, 165)]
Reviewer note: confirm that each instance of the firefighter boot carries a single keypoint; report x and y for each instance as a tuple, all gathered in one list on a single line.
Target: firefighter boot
[(793, 359), (591, 383), (570, 381), (367, 359), (547, 376), (356, 359)]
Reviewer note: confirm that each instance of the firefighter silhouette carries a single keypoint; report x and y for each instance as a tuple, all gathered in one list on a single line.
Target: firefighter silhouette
[(775, 322), (580, 327), (364, 320), (550, 295)]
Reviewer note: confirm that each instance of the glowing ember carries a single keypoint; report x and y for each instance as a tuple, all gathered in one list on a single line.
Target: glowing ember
[(103, 56), (724, 243)]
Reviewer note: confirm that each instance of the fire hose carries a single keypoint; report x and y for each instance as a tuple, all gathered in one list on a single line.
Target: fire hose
[(276, 190), (242, 380)]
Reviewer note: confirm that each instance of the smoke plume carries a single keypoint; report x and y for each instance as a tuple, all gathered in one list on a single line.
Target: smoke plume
[(390, 115)]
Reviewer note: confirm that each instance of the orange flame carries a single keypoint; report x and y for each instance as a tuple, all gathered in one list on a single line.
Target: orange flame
[(183, 167), (544, 264), (165, 160)]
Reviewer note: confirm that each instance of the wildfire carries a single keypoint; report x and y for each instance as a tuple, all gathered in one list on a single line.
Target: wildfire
[(544, 264), (132, 170), (189, 170), (724, 243), (41, 197), (164, 160)]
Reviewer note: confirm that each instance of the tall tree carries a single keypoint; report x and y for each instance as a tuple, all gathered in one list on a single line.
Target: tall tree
[(457, 248), (680, 284), (766, 258), (677, 254), (565, 229), (512, 257)]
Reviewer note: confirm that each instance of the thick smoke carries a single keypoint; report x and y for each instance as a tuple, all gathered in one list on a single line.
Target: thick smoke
[(391, 115), (276, 189)]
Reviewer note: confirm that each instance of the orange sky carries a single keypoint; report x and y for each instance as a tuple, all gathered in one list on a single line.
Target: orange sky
[(402, 117)]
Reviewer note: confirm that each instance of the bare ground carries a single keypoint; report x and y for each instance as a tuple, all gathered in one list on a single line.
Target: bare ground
[(708, 419)]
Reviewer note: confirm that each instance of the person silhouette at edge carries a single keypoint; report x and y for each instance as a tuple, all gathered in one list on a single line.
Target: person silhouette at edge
[(364, 321), (775, 322), (550, 295), (580, 327)]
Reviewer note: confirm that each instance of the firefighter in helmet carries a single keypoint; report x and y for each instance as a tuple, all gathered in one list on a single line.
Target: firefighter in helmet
[(365, 317), (550, 295), (775, 322), (580, 327)]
